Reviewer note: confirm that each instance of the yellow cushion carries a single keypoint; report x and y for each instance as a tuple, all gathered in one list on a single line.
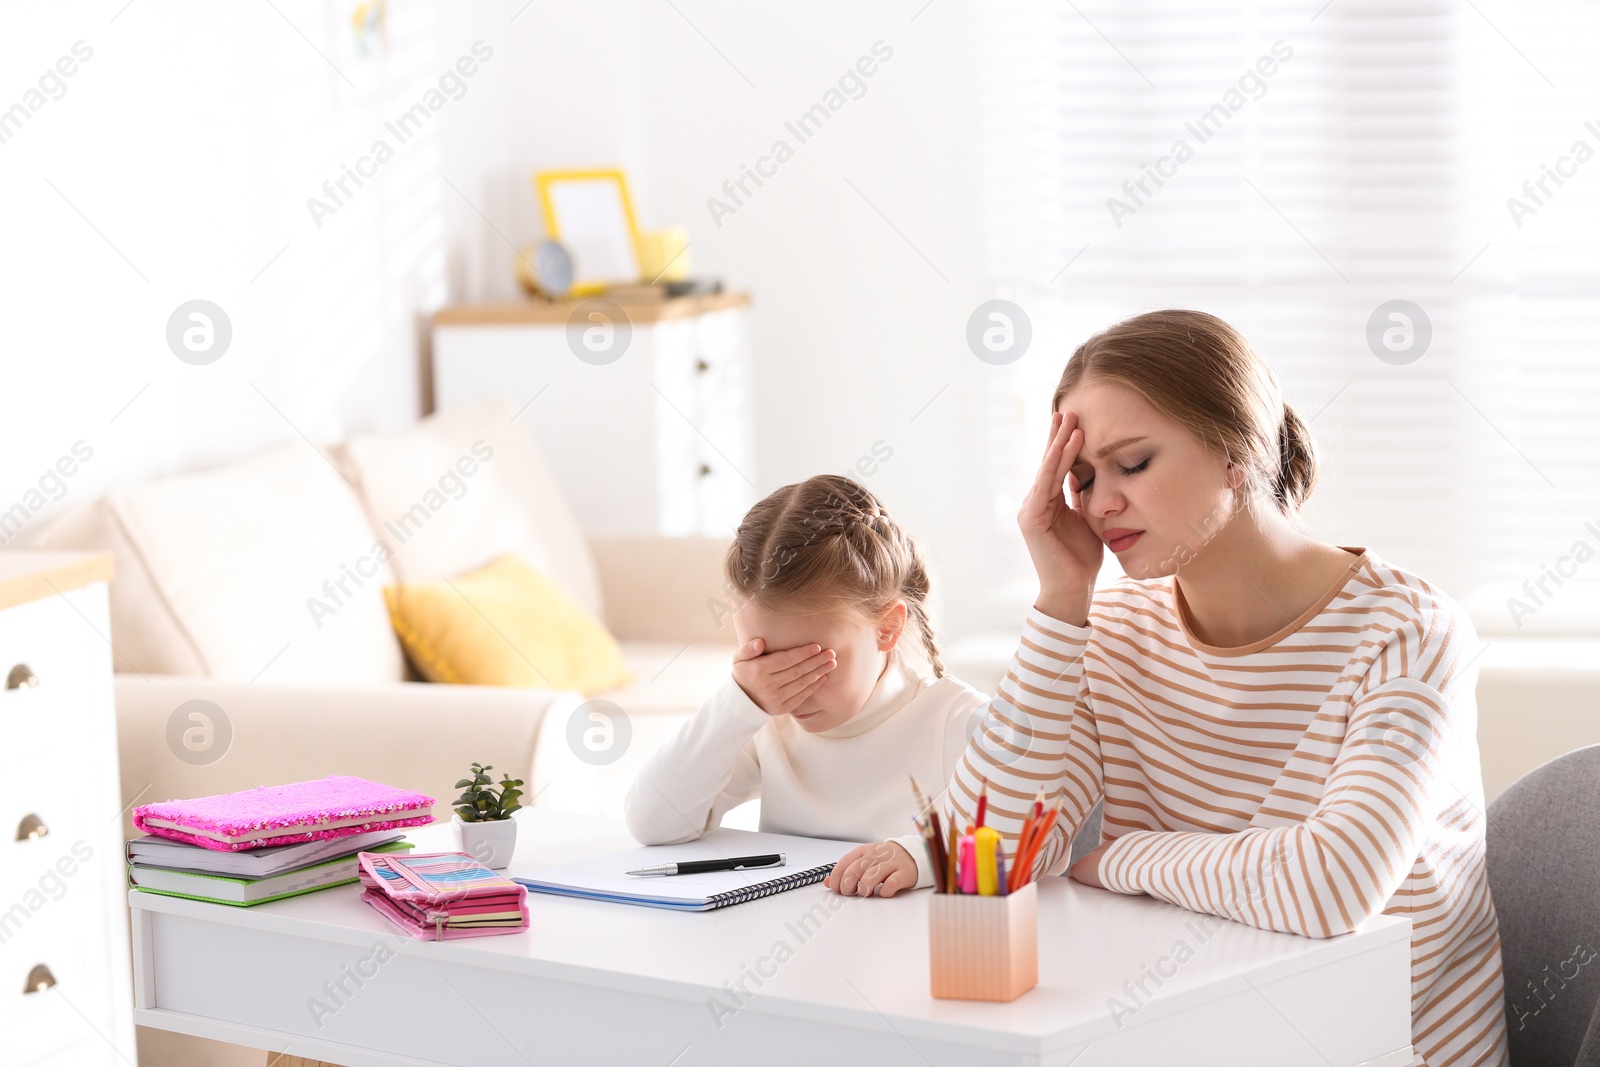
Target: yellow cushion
[(504, 624)]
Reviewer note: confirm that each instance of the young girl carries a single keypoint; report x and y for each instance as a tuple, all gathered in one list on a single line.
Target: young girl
[(824, 714), (1283, 731)]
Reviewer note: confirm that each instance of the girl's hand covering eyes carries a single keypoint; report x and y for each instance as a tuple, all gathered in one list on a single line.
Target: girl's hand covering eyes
[(1066, 552), (779, 682)]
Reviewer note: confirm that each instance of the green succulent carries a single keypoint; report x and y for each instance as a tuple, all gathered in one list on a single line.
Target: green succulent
[(480, 803)]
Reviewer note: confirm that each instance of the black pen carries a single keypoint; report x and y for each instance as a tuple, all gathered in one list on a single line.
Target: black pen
[(734, 863)]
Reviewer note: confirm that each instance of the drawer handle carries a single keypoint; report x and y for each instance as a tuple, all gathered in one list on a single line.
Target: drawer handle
[(31, 827), (39, 979), (701, 366), (705, 470), (21, 677)]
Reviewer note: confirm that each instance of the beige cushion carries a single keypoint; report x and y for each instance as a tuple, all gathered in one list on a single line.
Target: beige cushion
[(458, 490), (672, 680), (665, 588), (222, 573)]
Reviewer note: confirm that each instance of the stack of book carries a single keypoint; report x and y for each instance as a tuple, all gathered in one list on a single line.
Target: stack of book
[(177, 869), (266, 844)]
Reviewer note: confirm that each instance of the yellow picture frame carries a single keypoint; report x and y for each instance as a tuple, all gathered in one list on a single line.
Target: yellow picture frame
[(592, 231)]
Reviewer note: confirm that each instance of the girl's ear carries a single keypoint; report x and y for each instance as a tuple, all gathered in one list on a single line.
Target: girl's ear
[(891, 625)]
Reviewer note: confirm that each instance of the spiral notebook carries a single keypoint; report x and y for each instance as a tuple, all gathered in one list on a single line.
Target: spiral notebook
[(807, 860)]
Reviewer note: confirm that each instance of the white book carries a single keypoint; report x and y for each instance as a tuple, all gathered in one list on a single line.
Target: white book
[(152, 851), (807, 860)]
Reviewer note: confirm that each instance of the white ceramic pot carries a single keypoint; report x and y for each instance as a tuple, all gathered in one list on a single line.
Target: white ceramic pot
[(490, 843)]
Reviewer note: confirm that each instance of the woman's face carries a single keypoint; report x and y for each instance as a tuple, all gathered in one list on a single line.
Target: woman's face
[(1149, 488)]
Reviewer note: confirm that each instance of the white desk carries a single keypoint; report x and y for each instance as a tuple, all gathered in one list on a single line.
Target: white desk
[(597, 983)]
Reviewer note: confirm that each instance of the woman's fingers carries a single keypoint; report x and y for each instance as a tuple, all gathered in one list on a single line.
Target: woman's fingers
[(1047, 483), (1069, 455), (1050, 438)]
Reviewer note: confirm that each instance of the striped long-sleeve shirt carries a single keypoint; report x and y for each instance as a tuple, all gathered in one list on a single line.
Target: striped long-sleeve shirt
[(1303, 783)]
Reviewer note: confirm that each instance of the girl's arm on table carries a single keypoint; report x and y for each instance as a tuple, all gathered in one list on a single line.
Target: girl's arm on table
[(708, 768)]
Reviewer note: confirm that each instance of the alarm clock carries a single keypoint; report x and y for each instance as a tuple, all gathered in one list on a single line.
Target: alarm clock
[(544, 269)]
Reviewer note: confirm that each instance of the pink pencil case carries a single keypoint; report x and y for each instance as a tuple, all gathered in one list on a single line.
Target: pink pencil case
[(336, 806), (439, 896)]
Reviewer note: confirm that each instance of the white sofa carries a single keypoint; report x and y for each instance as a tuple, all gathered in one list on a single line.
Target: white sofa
[(217, 571), (258, 586)]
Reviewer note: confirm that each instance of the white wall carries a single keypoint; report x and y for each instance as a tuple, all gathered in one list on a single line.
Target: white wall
[(176, 166), (192, 138), (854, 331)]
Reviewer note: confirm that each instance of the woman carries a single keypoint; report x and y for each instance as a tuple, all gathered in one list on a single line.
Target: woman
[(1283, 730)]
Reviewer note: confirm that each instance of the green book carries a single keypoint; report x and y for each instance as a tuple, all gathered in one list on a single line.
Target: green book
[(243, 892)]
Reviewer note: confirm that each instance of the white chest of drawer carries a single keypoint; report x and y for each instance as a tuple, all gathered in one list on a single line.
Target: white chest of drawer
[(65, 985), (658, 440)]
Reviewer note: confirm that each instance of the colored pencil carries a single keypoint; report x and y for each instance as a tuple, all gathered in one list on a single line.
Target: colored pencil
[(1019, 870), (1041, 830), (951, 882), (937, 846), (931, 842)]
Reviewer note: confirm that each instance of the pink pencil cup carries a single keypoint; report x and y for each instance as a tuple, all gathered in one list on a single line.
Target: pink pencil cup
[(983, 948)]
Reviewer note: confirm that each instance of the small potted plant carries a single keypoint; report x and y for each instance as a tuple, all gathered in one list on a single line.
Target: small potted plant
[(483, 816)]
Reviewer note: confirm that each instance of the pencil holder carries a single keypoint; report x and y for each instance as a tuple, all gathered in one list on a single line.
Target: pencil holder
[(983, 948)]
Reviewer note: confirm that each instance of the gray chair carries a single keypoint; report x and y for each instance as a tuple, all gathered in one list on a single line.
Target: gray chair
[(1544, 873), (1088, 838)]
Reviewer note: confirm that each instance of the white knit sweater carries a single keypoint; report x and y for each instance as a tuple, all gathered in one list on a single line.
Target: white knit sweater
[(848, 783)]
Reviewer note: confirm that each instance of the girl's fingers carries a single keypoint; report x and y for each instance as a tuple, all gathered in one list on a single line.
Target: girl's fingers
[(749, 650), (826, 659), (844, 874), (794, 699), (784, 659), (881, 878), (896, 881), (803, 682)]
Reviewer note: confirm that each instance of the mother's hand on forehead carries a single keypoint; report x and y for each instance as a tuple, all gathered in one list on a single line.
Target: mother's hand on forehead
[(1065, 549), (779, 682)]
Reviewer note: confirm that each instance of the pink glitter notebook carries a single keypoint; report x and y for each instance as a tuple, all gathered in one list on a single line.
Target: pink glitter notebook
[(336, 806)]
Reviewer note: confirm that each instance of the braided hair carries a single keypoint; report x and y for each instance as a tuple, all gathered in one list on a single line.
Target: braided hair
[(827, 544)]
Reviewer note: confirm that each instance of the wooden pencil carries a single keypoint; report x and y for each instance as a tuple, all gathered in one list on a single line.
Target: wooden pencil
[(1019, 869), (951, 856), (1041, 831), (935, 825)]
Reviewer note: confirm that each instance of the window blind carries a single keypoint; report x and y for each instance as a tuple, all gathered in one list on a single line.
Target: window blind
[(1291, 169)]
